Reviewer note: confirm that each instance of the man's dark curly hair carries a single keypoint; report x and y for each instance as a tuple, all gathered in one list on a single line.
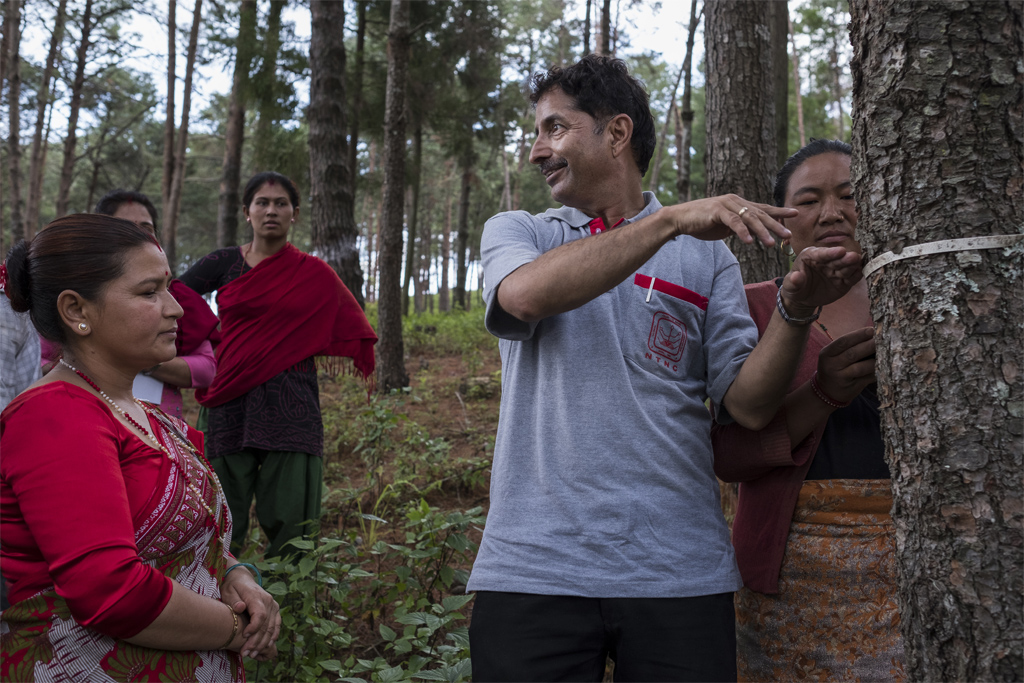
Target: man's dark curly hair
[(602, 87)]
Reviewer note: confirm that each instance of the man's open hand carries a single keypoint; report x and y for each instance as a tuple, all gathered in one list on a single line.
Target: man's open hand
[(716, 218)]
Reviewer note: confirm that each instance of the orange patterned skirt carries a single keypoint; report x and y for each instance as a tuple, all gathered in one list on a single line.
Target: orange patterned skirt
[(835, 617)]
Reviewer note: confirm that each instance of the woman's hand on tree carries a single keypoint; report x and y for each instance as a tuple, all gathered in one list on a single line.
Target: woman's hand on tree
[(847, 365)]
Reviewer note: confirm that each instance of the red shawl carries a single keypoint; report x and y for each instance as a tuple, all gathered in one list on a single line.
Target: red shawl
[(288, 308), (197, 324)]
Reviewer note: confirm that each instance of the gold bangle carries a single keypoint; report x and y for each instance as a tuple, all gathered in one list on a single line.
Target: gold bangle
[(234, 629)]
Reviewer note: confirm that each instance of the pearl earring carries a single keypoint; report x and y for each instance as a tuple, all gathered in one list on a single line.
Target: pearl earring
[(83, 327)]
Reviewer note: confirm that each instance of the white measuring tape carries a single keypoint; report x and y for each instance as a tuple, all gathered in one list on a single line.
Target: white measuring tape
[(942, 247)]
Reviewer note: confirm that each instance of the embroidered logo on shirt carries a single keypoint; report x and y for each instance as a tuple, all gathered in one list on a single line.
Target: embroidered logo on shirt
[(666, 340)]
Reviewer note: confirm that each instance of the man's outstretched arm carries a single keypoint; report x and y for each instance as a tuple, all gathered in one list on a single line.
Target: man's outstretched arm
[(569, 276)]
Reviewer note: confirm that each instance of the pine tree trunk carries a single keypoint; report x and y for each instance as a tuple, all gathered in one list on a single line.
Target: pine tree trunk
[(70, 142), (462, 238), (684, 120), (333, 206), (38, 154), (231, 170), (423, 276), (265, 90), (168, 160), (357, 96), (417, 182), (12, 23), (780, 76), (660, 148), (586, 29), (740, 116), (173, 209), (796, 85), (443, 294), (391, 372), (938, 149), (604, 38)]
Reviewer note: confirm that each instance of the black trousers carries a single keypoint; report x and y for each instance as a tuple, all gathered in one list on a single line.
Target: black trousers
[(525, 637)]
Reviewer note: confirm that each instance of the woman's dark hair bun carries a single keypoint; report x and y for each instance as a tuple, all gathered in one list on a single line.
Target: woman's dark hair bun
[(18, 284)]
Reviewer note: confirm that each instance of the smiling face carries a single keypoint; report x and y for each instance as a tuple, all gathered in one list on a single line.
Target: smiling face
[(271, 212), (134, 320), (568, 152), (820, 190)]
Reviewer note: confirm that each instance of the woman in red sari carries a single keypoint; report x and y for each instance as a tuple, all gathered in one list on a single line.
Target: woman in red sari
[(280, 311), (195, 364), (114, 528)]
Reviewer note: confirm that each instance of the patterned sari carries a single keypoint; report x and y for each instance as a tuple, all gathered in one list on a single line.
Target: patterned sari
[(177, 536), (835, 617)]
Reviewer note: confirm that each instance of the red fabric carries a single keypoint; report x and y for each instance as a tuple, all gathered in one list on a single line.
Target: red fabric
[(598, 225), (770, 470), (672, 289), (74, 484), (197, 324), (290, 307)]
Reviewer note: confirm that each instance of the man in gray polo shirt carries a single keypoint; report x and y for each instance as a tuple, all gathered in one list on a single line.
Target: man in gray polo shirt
[(617, 319)]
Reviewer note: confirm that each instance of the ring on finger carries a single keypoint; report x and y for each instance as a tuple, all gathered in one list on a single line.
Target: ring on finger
[(742, 211)]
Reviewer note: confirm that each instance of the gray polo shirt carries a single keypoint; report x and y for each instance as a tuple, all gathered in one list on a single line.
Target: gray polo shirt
[(602, 482)]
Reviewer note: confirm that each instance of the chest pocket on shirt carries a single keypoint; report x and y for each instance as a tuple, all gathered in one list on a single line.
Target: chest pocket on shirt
[(663, 326)]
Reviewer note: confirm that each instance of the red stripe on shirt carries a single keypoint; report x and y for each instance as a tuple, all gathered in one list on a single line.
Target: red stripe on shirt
[(672, 289)]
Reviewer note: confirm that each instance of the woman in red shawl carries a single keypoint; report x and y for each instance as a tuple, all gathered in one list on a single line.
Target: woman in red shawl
[(280, 309)]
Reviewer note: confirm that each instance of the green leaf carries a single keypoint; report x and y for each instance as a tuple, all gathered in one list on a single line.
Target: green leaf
[(373, 518), (446, 574), (331, 665), (414, 618), (277, 588), (301, 543), (459, 636), (391, 675), (387, 633), (403, 646), (456, 602)]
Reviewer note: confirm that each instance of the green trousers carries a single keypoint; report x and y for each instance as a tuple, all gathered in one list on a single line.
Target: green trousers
[(287, 487)]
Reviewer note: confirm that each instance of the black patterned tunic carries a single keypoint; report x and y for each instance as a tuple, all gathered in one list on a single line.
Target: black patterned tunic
[(282, 414)]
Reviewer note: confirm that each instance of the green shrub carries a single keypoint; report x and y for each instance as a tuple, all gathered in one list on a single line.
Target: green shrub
[(401, 592)]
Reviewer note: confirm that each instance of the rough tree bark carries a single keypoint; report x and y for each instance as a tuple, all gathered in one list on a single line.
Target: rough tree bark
[(417, 182), (70, 142), (357, 96), (740, 117), (12, 23), (443, 292), (37, 157), (780, 76), (684, 122), (462, 237), (938, 143), (333, 206), (391, 372), (234, 139), (173, 205)]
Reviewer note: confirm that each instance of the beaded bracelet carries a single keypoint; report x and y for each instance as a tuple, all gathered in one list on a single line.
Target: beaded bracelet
[(825, 398), (258, 576), (234, 628), (790, 319)]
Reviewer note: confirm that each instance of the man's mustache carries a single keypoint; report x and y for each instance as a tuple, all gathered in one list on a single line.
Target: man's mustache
[(551, 165)]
